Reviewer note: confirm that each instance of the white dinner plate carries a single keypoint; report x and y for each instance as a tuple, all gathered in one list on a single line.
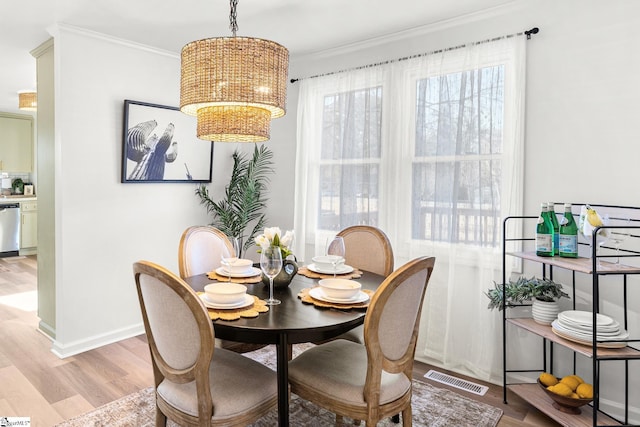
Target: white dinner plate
[(248, 300), (604, 330), (249, 273), (622, 335), (586, 318), (344, 269), (588, 342), (318, 294)]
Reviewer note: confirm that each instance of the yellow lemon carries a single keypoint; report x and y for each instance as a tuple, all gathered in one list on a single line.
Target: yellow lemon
[(575, 396), (585, 391), (547, 379), (571, 382), (561, 389), (580, 380)]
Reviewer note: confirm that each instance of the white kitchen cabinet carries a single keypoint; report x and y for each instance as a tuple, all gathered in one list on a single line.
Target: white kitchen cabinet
[(16, 143), (28, 227)]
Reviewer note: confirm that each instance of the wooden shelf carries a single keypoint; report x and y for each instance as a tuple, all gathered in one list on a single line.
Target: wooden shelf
[(586, 350), (533, 394), (583, 265)]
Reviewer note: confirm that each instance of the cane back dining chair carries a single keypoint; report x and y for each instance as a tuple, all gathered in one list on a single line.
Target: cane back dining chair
[(371, 381), (199, 252), (368, 248), (195, 383)]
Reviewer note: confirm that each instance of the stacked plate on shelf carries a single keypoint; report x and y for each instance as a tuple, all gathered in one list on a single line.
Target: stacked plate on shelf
[(577, 326)]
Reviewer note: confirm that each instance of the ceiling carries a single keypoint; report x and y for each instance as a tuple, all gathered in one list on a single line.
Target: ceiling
[(303, 26)]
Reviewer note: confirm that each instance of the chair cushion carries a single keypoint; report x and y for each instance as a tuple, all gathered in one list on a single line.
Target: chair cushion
[(338, 369), (230, 395)]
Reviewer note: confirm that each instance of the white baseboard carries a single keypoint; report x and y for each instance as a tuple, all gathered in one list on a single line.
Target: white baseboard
[(70, 349), (47, 330)]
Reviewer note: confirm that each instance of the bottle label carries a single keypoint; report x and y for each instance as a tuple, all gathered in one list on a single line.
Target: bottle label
[(544, 243), (568, 244)]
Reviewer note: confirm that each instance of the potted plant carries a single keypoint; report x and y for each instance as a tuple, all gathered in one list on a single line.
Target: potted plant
[(544, 294), (244, 199)]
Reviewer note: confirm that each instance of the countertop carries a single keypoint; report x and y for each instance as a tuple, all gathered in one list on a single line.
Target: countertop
[(17, 198)]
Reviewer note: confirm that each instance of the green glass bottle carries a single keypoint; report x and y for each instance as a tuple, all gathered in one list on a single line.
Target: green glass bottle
[(556, 227), (568, 234), (544, 233)]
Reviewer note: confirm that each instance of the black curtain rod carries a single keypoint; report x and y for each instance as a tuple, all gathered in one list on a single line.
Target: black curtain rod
[(534, 30)]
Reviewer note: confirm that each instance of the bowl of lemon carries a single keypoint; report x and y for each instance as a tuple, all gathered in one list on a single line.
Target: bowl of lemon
[(568, 393)]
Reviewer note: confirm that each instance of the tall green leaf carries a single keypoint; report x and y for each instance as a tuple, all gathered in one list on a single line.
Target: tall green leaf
[(244, 198)]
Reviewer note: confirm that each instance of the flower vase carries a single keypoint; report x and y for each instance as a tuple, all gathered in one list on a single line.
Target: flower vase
[(545, 312), (283, 279)]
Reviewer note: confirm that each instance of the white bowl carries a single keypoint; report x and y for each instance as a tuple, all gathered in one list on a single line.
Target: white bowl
[(238, 266), (340, 288), (225, 293), (327, 262)]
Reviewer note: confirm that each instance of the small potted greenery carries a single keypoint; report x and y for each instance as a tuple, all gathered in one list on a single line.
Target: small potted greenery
[(544, 294)]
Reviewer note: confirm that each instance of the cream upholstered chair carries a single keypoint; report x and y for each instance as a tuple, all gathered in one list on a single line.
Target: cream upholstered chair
[(368, 248), (371, 381), (196, 384), (199, 252)]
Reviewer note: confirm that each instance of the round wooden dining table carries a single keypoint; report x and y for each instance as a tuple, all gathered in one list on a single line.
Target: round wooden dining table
[(290, 322)]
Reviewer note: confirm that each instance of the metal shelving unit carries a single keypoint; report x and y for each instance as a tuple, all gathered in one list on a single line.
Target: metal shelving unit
[(596, 267)]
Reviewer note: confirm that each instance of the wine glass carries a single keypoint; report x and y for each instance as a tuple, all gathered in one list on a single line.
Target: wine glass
[(603, 236), (336, 247), (271, 264), (229, 258), (617, 237)]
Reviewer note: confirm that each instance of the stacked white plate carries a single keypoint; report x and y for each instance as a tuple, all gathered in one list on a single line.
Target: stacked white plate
[(577, 326)]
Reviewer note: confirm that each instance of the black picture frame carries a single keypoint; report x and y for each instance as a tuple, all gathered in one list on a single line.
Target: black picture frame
[(182, 156)]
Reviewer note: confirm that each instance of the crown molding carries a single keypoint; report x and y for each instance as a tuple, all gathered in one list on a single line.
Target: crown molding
[(422, 30), (116, 40)]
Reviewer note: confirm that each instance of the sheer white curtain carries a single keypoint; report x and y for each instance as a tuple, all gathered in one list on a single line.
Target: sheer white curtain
[(431, 151)]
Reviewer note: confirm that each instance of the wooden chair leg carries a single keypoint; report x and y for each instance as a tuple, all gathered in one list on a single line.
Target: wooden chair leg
[(407, 421), (161, 419)]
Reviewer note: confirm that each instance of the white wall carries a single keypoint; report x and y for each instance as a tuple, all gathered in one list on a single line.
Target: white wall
[(581, 108), (103, 226)]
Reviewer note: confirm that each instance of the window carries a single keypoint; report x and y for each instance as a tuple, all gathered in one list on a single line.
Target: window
[(457, 160), (350, 159), (429, 149)]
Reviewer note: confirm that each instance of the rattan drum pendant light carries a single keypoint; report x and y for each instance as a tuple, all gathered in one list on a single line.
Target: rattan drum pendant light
[(28, 101), (234, 85)]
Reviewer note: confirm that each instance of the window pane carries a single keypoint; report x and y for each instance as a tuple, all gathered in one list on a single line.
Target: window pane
[(348, 196), (351, 124), (350, 157), (457, 165)]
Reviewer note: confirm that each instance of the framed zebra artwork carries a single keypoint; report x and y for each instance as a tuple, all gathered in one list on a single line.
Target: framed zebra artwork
[(159, 144)]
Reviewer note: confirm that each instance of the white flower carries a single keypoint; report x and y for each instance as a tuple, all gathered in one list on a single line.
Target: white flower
[(287, 239), (272, 236), (262, 241), (271, 232)]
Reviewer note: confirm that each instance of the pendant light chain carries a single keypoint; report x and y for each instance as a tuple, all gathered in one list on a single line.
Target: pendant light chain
[(233, 16)]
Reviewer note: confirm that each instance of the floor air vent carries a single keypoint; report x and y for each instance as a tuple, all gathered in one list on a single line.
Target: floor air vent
[(456, 382)]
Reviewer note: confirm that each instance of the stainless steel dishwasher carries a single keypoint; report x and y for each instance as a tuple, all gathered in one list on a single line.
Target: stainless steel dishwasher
[(9, 229)]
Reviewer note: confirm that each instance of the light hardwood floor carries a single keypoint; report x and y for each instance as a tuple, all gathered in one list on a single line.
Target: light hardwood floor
[(35, 383)]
